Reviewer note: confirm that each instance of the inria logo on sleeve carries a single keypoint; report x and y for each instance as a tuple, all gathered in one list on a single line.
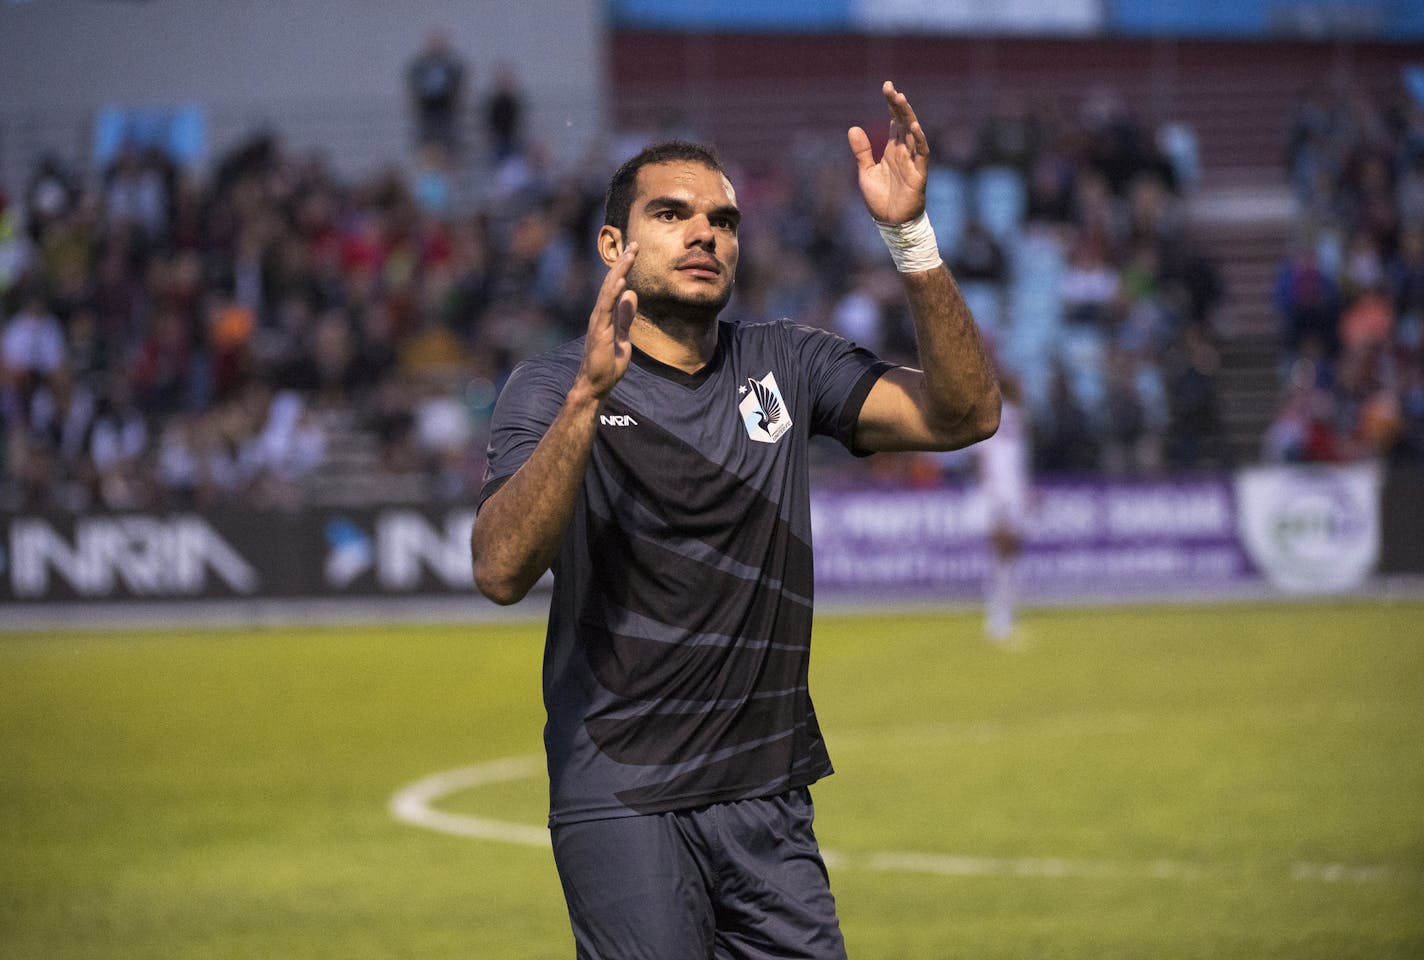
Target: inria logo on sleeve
[(763, 410)]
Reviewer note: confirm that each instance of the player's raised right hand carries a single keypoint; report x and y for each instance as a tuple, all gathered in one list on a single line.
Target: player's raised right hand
[(606, 347)]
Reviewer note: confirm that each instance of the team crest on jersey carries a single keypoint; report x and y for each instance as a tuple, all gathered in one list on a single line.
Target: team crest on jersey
[(763, 410)]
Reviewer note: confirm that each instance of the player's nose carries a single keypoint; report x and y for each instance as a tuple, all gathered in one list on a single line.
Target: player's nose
[(699, 230)]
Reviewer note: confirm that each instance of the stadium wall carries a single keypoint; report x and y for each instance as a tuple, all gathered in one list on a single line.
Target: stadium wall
[(323, 75), (1289, 531), (750, 92), (1246, 18)]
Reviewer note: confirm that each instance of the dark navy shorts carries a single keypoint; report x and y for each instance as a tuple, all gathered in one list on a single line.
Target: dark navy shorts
[(731, 881)]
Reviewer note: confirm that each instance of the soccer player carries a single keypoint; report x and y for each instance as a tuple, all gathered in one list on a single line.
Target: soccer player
[(659, 465), (1005, 480)]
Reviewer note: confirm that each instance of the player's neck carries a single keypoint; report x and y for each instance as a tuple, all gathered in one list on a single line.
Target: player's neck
[(686, 344)]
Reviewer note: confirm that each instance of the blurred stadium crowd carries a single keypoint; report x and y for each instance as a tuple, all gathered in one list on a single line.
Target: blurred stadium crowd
[(171, 339), (1350, 293)]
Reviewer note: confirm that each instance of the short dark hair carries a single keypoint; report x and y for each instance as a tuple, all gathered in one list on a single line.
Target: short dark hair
[(618, 202)]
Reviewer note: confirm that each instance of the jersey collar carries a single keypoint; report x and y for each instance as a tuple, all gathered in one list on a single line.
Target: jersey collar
[(690, 380)]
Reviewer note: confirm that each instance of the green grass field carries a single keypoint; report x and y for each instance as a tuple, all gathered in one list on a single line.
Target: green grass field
[(1176, 782)]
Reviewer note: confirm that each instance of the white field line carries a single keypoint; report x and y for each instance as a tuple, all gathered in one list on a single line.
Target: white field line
[(414, 804), (1050, 867)]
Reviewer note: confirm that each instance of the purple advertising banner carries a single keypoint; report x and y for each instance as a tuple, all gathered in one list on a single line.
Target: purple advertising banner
[(1294, 530), (1091, 538)]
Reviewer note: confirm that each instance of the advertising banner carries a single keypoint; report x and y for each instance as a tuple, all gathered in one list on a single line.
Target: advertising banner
[(1067, 17), (1312, 529), (235, 554), (1314, 19), (1098, 537), (1298, 530), (1058, 17)]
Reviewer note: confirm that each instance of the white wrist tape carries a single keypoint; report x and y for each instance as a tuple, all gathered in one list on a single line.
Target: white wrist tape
[(912, 245)]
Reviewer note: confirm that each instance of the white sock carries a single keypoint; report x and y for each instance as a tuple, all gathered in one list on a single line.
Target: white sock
[(1002, 597)]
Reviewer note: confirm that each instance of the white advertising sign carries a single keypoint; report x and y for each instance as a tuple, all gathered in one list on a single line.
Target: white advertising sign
[(1311, 529), (974, 16)]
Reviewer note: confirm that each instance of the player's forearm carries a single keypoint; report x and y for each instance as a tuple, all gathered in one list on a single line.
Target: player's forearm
[(959, 392), (518, 530)]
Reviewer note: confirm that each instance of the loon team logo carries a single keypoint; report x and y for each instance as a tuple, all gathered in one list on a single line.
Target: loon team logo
[(763, 410)]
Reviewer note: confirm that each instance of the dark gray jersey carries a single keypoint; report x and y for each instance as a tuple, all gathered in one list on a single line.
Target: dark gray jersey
[(675, 667)]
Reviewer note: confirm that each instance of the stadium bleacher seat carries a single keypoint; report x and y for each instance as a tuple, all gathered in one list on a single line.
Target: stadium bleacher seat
[(1000, 200)]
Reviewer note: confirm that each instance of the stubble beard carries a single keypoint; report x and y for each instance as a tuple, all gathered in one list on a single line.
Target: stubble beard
[(672, 311)]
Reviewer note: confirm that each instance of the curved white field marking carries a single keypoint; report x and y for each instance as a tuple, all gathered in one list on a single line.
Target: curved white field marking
[(413, 804)]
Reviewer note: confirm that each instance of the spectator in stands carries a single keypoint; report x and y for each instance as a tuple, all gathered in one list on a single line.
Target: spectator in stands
[(162, 375), (176, 466), (1009, 136), (1311, 160), (227, 333), (375, 356), (61, 420), (117, 449), (1141, 322), (1178, 147), (1308, 304), (87, 357), (504, 114), (1410, 445), (1066, 440), (1090, 285), (1411, 185), (866, 313), (137, 191), (1363, 266), (118, 299), (32, 346), (1051, 188), (980, 265), (794, 289), (1367, 200), (1130, 444), (1367, 414), (215, 441), (1115, 143), (1300, 431), (288, 448), (435, 80), (50, 196), (1368, 320), (1195, 432), (1096, 209), (16, 247), (1405, 273)]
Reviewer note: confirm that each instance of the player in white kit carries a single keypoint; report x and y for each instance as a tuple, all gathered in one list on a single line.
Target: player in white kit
[(1005, 477)]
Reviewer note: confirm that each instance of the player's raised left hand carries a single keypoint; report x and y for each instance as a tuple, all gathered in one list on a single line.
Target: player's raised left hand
[(894, 187)]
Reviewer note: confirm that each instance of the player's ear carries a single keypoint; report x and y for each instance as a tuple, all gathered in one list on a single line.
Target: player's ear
[(610, 244)]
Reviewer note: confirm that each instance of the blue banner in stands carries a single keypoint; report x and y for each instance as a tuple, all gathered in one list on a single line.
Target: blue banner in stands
[(1309, 19)]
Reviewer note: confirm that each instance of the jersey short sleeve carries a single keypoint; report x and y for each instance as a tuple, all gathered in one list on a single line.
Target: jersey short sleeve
[(840, 376), (527, 405)]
